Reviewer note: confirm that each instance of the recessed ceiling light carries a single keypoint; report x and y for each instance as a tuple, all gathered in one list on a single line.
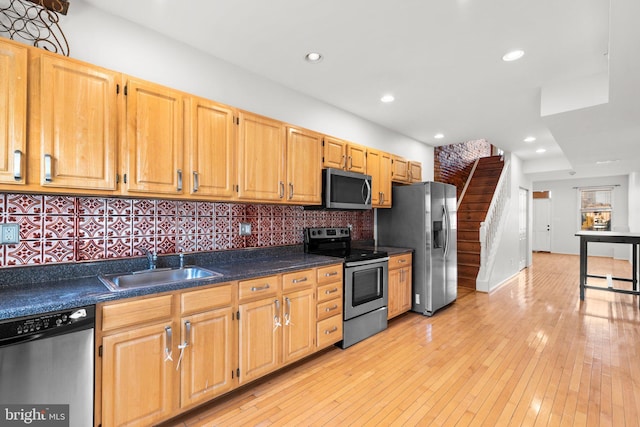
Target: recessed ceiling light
[(541, 150), (387, 98), (313, 57), (513, 55), (438, 136), (606, 162), (530, 139)]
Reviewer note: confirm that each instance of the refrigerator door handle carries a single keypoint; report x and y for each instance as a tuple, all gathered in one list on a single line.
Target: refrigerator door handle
[(445, 217)]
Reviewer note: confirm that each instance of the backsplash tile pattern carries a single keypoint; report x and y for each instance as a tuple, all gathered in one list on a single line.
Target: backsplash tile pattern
[(60, 229)]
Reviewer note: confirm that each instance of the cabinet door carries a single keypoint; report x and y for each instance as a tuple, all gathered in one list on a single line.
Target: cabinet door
[(334, 153), (13, 112), (356, 158), (260, 328), (385, 179), (304, 166), (405, 290), (75, 123), (400, 170), (211, 149), (415, 171), (137, 376), (261, 158), (154, 145), (379, 167), (207, 362), (298, 321), (393, 304)]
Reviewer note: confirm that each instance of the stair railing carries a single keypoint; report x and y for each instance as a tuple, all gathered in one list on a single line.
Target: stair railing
[(490, 228), (466, 184)]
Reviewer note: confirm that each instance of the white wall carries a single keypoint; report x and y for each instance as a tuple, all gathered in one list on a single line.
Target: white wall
[(103, 39), (506, 264), (565, 220), (634, 202)]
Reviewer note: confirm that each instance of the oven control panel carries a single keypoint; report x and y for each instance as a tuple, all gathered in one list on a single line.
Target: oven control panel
[(327, 233)]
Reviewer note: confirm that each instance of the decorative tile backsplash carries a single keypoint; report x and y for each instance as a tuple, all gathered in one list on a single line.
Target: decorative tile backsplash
[(58, 229)]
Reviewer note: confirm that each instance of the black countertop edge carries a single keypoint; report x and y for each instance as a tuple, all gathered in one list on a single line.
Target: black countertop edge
[(68, 291)]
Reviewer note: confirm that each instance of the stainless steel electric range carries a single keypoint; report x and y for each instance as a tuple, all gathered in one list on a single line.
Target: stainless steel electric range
[(365, 281)]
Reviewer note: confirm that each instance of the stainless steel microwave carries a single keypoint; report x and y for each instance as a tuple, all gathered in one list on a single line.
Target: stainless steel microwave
[(345, 190)]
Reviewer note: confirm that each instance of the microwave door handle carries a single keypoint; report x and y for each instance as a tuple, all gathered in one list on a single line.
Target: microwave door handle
[(367, 198)]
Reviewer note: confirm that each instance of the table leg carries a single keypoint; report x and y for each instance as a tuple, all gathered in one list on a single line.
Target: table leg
[(583, 266)]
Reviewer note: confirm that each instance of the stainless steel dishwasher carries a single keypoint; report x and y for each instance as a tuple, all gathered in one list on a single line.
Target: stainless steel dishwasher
[(48, 359)]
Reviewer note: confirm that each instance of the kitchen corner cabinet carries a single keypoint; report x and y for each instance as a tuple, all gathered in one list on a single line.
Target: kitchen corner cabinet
[(73, 124), (400, 170), (211, 147), (340, 154), (304, 170), (261, 159), (415, 172), (379, 167), (400, 282), (154, 147), (13, 112)]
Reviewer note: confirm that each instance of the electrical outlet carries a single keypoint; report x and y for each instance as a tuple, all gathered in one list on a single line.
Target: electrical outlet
[(9, 233), (245, 229)]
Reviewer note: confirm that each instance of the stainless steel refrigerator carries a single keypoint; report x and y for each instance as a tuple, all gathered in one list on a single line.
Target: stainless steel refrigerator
[(423, 217)]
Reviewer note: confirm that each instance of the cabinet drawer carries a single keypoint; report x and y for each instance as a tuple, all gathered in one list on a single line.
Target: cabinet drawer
[(330, 291), (399, 261), (298, 280), (329, 308), (330, 274), (329, 331), (206, 299), (258, 288), (133, 313)]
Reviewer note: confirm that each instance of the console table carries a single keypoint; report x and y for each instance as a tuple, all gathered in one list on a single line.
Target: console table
[(632, 239)]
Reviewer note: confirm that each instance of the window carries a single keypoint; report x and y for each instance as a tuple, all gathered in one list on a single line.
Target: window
[(596, 208)]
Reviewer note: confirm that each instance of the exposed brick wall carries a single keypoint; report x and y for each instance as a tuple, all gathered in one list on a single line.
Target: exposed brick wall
[(452, 163)]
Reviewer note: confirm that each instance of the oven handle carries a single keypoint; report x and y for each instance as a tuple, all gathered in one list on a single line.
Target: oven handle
[(366, 262)]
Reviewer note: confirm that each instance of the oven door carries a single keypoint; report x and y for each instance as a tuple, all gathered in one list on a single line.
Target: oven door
[(365, 286)]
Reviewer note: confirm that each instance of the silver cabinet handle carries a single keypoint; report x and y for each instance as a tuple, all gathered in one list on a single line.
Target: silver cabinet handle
[(330, 331), (259, 288), (328, 309), (276, 317), (17, 165), (382, 197), (47, 168), (169, 344), (331, 291), (300, 280), (179, 180), (281, 195), (402, 260), (196, 181), (333, 273), (344, 161), (350, 162), (290, 191), (187, 333), (287, 314)]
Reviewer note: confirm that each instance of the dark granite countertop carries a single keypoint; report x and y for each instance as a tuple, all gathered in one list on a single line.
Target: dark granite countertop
[(40, 289)]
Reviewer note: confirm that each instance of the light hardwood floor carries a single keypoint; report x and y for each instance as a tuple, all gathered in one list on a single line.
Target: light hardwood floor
[(530, 353)]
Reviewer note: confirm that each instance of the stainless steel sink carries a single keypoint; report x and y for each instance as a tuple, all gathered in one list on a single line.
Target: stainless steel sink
[(160, 276)]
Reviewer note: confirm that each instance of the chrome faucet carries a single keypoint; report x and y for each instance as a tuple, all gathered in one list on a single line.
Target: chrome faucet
[(181, 257), (152, 257)]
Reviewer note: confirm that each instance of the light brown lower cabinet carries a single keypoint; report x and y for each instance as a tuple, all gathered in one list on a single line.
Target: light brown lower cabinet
[(161, 355), (400, 282)]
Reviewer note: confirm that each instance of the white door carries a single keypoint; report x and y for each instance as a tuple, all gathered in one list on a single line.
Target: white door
[(542, 225), (523, 225)]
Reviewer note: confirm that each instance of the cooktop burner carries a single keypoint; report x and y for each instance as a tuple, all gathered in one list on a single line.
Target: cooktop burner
[(336, 242)]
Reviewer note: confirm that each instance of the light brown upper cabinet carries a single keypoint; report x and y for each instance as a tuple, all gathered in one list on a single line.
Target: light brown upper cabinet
[(400, 170), (340, 154), (13, 112), (261, 158), (73, 124), (379, 167), (304, 171), (154, 144), (415, 171), (211, 146)]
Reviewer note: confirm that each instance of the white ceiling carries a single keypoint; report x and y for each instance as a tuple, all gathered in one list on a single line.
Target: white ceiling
[(441, 59)]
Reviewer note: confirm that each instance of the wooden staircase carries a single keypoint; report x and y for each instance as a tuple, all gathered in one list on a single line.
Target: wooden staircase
[(472, 211)]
